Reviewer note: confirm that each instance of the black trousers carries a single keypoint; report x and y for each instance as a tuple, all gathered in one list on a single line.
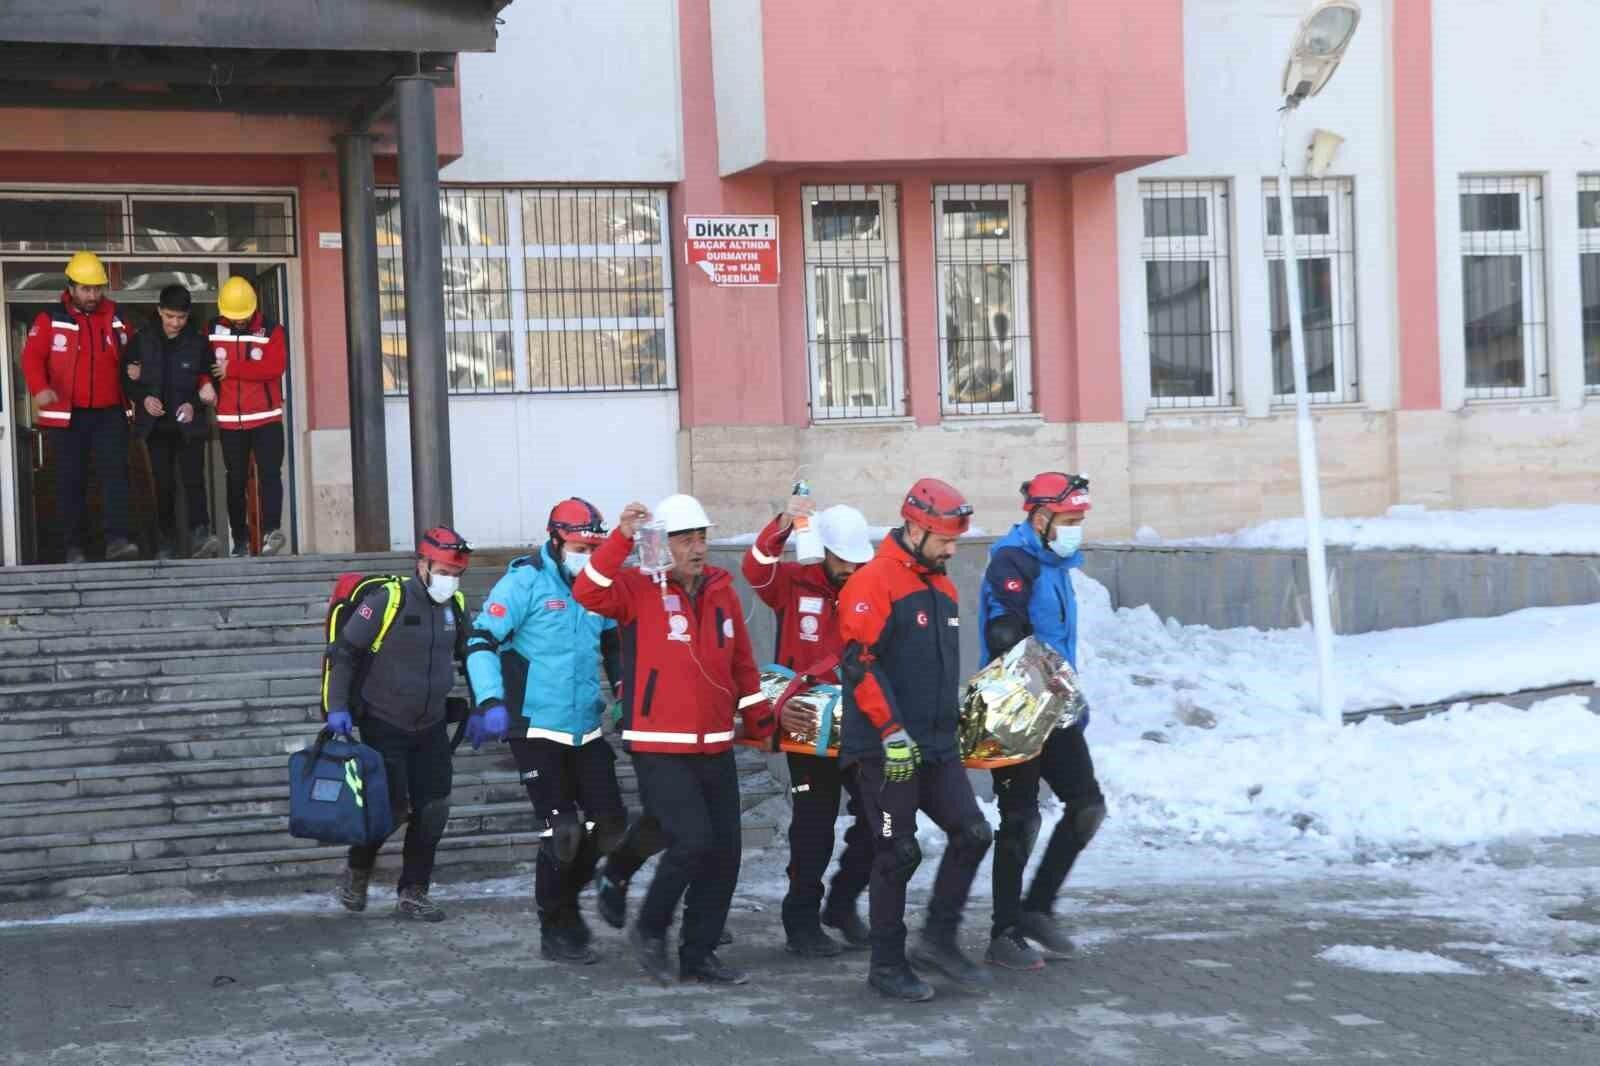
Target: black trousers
[(266, 444), (100, 433), (944, 793), (815, 786), (419, 770), (175, 458), (696, 800), (569, 786), (1066, 767)]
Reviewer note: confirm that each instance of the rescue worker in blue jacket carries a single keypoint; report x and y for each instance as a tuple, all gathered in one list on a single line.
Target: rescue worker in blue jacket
[(534, 649), (1027, 590)]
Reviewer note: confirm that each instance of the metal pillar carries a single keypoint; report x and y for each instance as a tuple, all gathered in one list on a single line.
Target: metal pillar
[(422, 255), (369, 462)]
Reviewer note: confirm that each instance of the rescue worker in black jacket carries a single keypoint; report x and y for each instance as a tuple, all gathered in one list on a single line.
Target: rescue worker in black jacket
[(400, 709), (166, 365)]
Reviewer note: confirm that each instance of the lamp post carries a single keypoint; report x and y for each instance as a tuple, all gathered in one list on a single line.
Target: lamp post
[(1319, 44)]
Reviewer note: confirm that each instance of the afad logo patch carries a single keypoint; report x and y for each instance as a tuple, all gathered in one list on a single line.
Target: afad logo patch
[(555, 605), (497, 610)]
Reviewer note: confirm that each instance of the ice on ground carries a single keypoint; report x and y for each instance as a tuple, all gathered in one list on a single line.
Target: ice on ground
[(1391, 960), (1565, 529)]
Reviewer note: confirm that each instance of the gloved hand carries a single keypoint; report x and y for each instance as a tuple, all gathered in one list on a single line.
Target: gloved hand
[(489, 722), (901, 757), (340, 723)]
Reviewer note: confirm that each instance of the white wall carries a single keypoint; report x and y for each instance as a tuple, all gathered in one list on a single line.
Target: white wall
[(513, 457), (576, 91), (739, 81), (1514, 91), (1233, 69)]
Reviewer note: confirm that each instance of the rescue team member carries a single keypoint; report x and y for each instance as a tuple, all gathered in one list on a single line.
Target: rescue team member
[(534, 648), (165, 365), (72, 362), (898, 616), (249, 355), (401, 711), (804, 598), (687, 667), (1027, 589)]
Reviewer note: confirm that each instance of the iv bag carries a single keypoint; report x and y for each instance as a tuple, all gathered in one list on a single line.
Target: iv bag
[(654, 556)]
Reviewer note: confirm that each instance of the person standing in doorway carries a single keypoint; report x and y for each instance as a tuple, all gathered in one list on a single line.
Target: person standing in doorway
[(171, 393), (72, 362), (249, 356)]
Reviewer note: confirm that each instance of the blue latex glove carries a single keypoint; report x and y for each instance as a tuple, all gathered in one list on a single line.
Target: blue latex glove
[(487, 723), (340, 723)]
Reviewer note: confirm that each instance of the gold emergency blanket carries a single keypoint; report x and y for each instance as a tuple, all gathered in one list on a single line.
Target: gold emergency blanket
[(820, 700), (1011, 706)]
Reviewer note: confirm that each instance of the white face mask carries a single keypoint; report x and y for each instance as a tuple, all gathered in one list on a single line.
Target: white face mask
[(441, 587), (1066, 540), (574, 562)]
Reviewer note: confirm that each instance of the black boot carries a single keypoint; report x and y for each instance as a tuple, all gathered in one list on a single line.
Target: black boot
[(810, 942), (899, 981), (851, 929), (940, 952), (712, 971), (563, 943), (651, 951), (611, 900)]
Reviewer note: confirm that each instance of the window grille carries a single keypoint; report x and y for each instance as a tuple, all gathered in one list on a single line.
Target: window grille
[(1502, 287), (985, 327), (155, 224), (1324, 233), (1186, 250), (1589, 276)]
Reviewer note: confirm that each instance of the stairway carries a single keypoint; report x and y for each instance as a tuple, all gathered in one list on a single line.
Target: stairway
[(147, 711)]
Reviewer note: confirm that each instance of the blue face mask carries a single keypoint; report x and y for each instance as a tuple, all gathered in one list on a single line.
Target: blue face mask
[(1066, 540), (573, 563)]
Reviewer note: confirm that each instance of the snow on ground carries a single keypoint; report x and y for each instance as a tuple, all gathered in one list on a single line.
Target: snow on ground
[(1565, 529), (1391, 960)]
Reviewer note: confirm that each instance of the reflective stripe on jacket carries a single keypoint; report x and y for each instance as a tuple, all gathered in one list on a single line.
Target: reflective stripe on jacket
[(77, 356), (250, 393)]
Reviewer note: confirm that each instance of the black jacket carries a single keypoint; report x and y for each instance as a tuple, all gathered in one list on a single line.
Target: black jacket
[(407, 680), (171, 370)]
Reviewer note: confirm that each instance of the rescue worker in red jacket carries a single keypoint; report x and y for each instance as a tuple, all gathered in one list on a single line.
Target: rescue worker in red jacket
[(687, 668), (249, 355), (72, 362), (804, 598), (899, 618)]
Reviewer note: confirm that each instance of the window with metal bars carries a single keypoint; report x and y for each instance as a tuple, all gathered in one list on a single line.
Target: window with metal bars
[(1324, 238), (985, 328), (853, 317), (1502, 287), (546, 290), (1186, 248), (1589, 275)]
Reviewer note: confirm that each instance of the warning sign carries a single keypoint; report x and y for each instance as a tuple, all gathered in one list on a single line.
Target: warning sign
[(733, 249)]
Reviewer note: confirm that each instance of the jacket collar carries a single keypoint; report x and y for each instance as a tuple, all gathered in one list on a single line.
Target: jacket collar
[(893, 547), (1022, 536)]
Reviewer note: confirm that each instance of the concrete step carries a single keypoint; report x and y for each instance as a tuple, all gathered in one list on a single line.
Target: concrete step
[(21, 644), (191, 570), (261, 608), (239, 685), (195, 716), (122, 666)]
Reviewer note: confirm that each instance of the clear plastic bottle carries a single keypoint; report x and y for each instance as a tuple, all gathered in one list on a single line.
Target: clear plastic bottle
[(807, 541), (655, 558)]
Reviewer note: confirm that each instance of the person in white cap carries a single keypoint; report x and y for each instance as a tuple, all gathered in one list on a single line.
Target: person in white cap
[(804, 597), (687, 671)]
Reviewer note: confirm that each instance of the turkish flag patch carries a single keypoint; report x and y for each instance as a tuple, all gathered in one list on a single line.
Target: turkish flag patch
[(497, 610), (365, 611), (922, 619), (1013, 585)]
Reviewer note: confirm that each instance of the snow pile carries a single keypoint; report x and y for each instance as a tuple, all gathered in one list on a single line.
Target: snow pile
[(1565, 529), (1392, 960)]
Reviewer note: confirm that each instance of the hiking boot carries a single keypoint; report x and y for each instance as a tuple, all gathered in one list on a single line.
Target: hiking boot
[(851, 929), (651, 951), (713, 971), (611, 900), (239, 550), (121, 549), (413, 902), (274, 543), (574, 924), (206, 544), (810, 942), (899, 981), (352, 889), (74, 556), (565, 943), (942, 953), (1010, 952), (166, 548), (1041, 928)]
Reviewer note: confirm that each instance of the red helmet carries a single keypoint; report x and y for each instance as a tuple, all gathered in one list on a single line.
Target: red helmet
[(444, 545), (578, 521), (1057, 493), (937, 507)]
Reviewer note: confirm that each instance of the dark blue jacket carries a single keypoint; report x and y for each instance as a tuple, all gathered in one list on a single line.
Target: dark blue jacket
[(1033, 584)]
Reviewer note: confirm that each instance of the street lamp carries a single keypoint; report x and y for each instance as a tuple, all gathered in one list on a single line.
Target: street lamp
[(1319, 44)]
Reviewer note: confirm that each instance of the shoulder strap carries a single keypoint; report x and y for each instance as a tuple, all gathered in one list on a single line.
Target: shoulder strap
[(397, 591)]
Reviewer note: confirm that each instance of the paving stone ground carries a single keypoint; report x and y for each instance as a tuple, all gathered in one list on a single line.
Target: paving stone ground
[(1192, 975)]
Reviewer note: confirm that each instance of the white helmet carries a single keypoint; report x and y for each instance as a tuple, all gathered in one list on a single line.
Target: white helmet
[(844, 533), (679, 512)]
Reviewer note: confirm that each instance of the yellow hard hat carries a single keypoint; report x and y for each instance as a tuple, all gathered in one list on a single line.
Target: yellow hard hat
[(237, 300), (85, 268)]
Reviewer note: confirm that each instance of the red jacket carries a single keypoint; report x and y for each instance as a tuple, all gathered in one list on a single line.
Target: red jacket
[(686, 660), (804, 602), (77, 356), (251, 392)]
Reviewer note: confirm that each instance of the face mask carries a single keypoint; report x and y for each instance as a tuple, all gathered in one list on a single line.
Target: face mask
[(1067, 540), (574, 562), (441, 588)]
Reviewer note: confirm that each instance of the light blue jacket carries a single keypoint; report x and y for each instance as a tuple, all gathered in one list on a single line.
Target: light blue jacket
[(537, 649)]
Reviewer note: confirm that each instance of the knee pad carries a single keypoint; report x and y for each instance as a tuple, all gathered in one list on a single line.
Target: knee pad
[(899, 858), (566, 837), (609, 830), (430, 821), (1086, 823), (1018, 833), (971, 842)]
